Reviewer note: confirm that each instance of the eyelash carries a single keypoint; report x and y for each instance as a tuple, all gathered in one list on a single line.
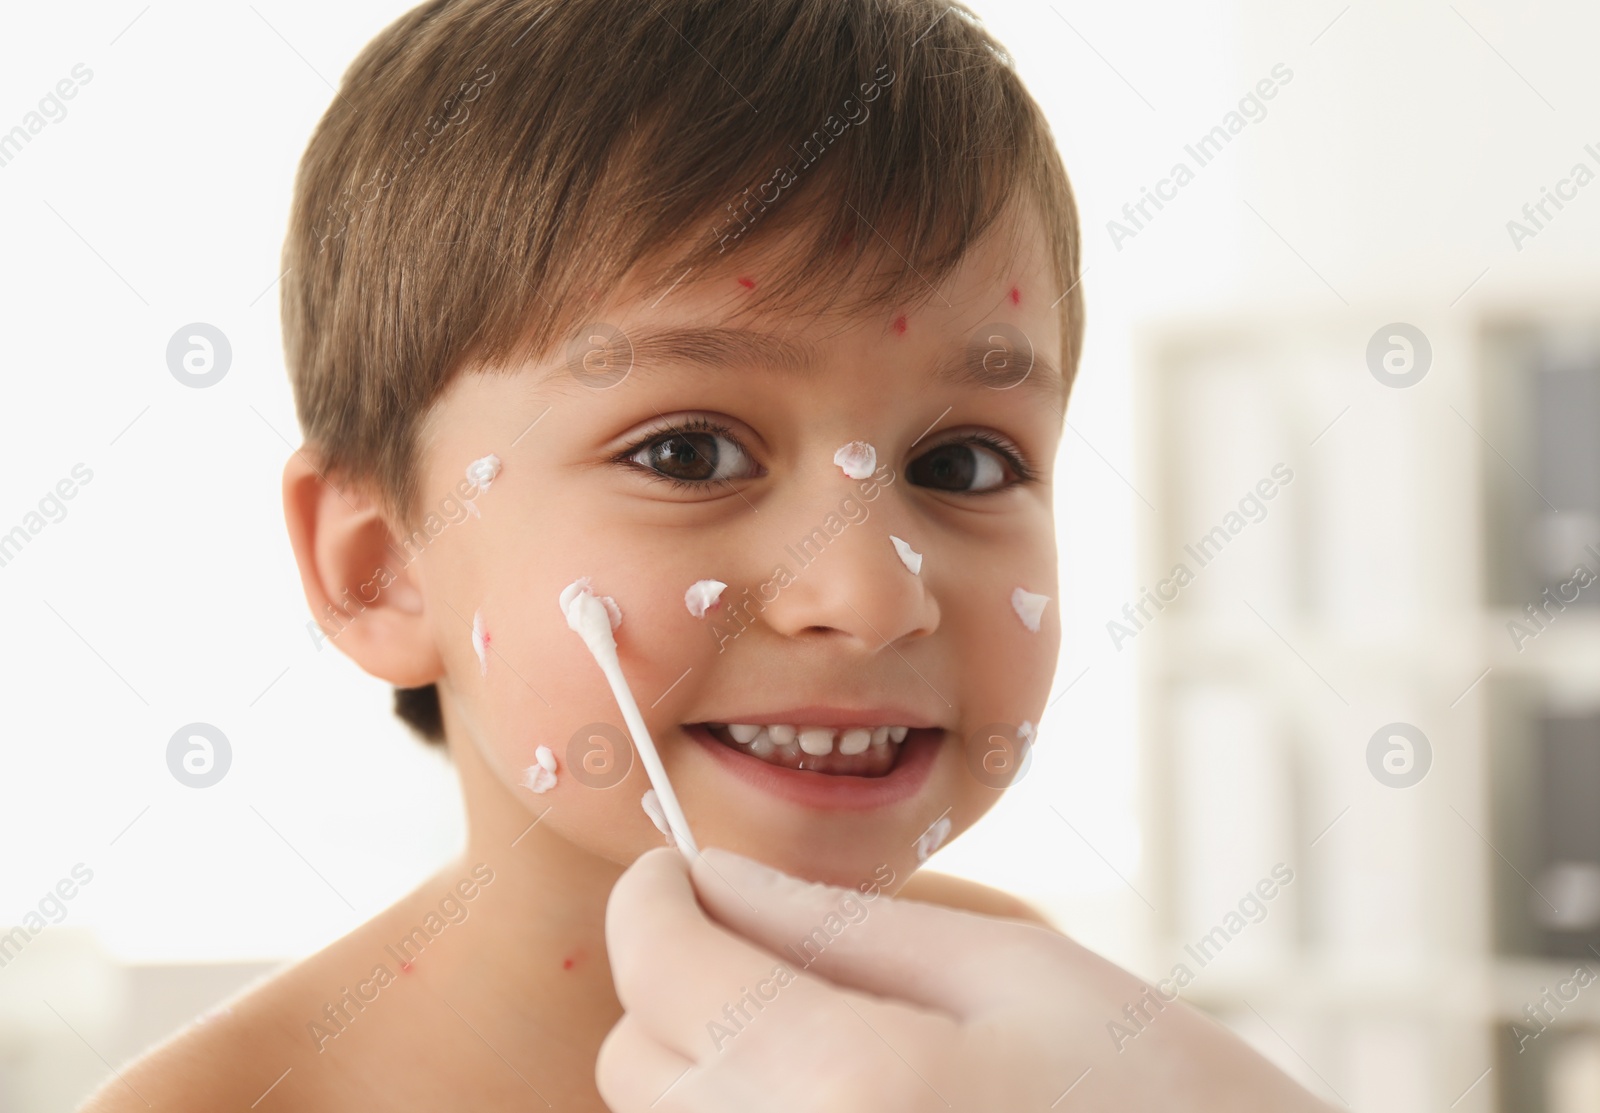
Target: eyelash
[(700, 424)]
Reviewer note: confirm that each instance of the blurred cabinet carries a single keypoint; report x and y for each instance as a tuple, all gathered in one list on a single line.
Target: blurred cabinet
[(1369, 655)]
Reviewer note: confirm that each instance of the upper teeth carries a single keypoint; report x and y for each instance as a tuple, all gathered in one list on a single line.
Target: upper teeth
[(812, 740)]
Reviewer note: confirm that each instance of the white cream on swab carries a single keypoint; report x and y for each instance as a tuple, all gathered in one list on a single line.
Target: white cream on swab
[(652, 808), (581, 585), (1029, 607), (933, 838), (858, 459), (588, 616), (702, 596), (481, 473), (480, 642), (541, 776), (908, 556)]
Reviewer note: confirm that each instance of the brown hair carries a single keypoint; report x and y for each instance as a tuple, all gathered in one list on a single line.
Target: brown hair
[(486, 164)]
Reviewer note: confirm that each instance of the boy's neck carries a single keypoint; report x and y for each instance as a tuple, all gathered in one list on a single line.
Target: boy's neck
[(539, 942)]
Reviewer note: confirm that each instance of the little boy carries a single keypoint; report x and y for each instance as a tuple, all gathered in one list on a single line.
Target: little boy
[(761, 316)]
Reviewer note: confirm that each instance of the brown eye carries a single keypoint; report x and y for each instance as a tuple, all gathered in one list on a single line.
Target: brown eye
[(693, 455), (963, 467)]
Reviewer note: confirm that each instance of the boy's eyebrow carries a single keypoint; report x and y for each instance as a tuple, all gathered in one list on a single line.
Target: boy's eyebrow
[(734, 349)]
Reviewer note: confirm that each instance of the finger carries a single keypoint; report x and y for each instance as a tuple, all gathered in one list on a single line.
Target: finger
[(956, 962), (692, 983), (634, 1073)]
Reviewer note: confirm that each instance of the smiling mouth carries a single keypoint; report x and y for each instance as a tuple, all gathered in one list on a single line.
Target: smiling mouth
[(854, 752)]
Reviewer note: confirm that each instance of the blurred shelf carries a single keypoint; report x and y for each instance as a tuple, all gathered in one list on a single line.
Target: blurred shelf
[(1388, 571)]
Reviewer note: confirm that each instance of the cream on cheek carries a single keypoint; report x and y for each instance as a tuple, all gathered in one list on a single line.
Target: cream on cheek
[(480, 473), (480, 642), (541, 775), (703, 595), (1029, 607)]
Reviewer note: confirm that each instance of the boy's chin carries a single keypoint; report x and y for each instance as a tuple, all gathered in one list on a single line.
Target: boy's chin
[(863, 869)]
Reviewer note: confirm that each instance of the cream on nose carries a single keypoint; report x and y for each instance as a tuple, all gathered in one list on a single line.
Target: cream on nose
[(858, 459)]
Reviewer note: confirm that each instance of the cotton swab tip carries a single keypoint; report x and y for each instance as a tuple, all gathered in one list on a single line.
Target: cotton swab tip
[(589, 616)]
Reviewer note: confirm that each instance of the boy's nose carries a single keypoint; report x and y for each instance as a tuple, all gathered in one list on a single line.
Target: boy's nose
[(851, 583)]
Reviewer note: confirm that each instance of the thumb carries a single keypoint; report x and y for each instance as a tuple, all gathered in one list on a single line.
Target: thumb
[(955, 962)]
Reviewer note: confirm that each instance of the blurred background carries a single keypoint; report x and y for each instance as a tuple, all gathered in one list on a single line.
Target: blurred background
[(1329, 506)]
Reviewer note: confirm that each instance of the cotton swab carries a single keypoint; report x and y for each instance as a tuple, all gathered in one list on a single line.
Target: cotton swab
[(591, 620)]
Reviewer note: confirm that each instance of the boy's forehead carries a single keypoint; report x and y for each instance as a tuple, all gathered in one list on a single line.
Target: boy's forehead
[(990, 322)]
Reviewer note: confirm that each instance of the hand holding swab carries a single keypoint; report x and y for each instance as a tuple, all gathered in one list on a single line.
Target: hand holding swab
[(589, 618)]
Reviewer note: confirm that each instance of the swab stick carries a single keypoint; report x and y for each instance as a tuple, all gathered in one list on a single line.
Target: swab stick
[(590, 619)]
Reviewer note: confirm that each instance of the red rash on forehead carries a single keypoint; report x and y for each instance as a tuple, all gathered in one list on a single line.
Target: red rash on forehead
[(900, 324), (1016, 296), (747, 283)]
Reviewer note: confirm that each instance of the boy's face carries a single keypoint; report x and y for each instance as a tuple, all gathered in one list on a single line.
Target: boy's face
[(820, 610)]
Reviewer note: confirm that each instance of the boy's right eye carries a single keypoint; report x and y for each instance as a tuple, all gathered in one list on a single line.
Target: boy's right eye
[(692, 455)]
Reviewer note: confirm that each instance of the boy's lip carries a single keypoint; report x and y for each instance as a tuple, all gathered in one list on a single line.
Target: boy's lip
[(830, 792)]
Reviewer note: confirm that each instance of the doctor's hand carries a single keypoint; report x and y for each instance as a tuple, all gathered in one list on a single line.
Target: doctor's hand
[(771, 993)]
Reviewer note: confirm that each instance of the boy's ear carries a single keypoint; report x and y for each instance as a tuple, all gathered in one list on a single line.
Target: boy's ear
[(365, 599)]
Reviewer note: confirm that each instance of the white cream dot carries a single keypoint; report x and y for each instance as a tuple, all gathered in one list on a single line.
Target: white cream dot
[(1029, 607), (483, 471), (480, 643), (702, 596), (933, 838), (908, 556), (541, 775), (652, 808), (858, 459)]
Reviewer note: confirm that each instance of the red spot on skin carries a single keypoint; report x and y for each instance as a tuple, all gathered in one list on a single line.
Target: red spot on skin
[(405, 968), (573, 959), (1016, 296), (900, 324), (748, 284), (845, 242)]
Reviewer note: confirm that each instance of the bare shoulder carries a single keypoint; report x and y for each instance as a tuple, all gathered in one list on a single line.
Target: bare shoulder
[(214, 1060), (269, 1036), (970, 896)]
